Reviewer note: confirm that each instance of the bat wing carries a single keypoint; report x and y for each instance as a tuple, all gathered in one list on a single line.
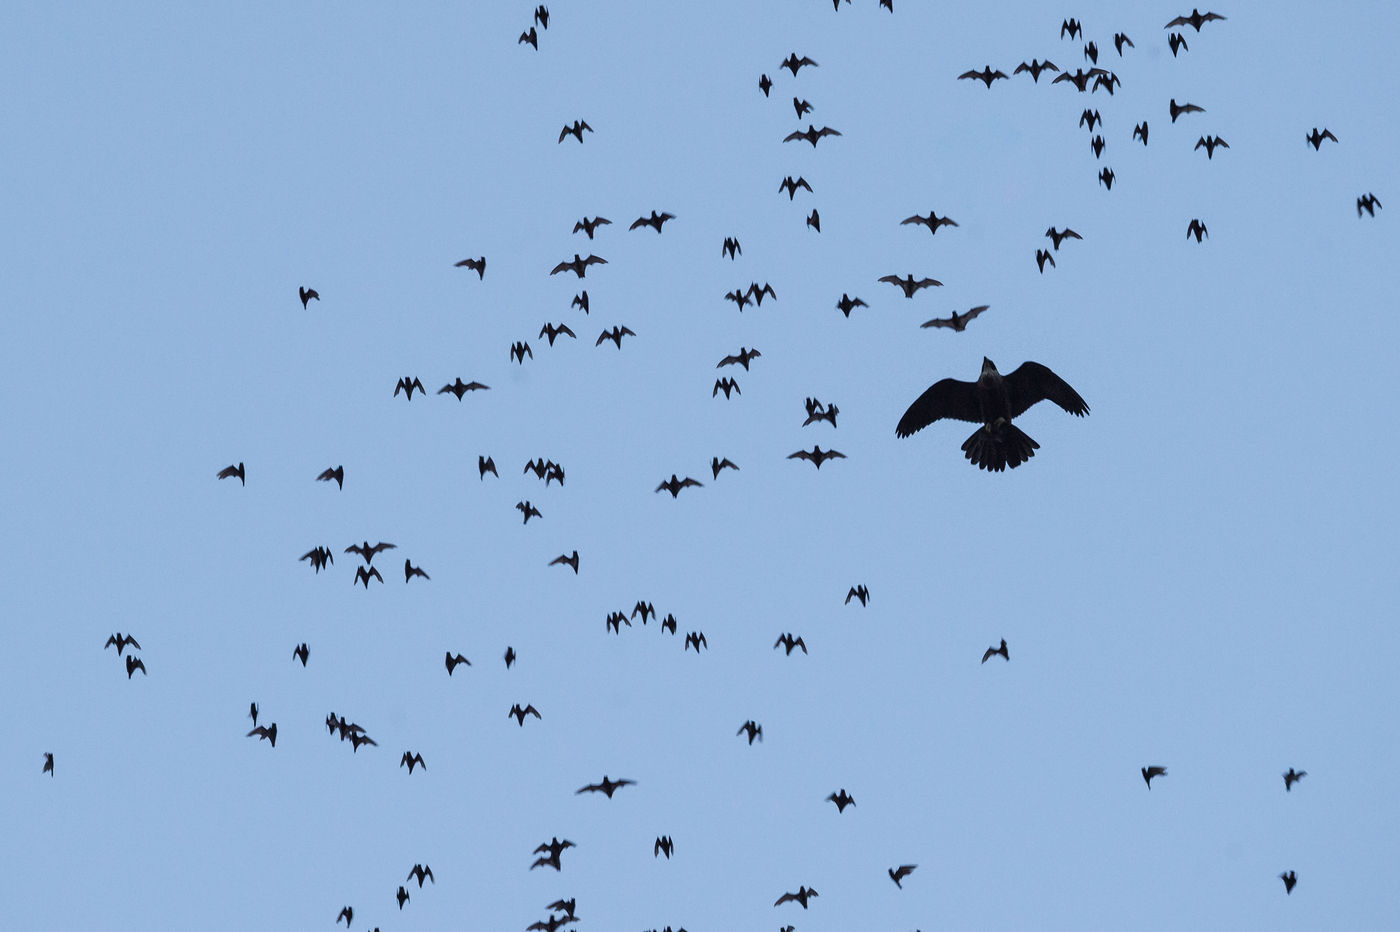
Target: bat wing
[(381, 546), (590, 788), (791, 136), (946, 398), (642, 221), (894, 279), (927, 283), (785, 898), (802, 455), (594, 260), (728, 361), (1179, 21), (828, 131), (561, 267), (938, 322), (1032, 382), (974, 311)]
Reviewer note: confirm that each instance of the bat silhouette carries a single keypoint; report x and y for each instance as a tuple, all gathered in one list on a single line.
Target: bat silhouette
[(452, 661), (817, 455), (123, 640), (644, 609), (509, 656), (674, 485), (757, 293), (793, 63), (1197, 229), (368, 552), (541, 17), (307, 294), (1059, 236), (717, 464), (742, 358), (1289, 878), (48, 764), (663, 845), (1140, 132), (253, 712), (571, 561), (1106, 178), (1210, 143), (580, 300), (858, 592), (410, 760), (1149, 772), (576, 130), (727, 384), (1035, 68), (476, 265), (994, 651), (801, 896), (1080, 78), (303, 652), (697, 639), (588, 226), (421, 871), (337, 473), (1071, 28), (1177, 41), (731, 246), (615, 334), (460, 388), (519, 715), (228, 472), (1097, 144), (958, 322), (986, 75), (407, 384), (669, 622), (606, 787), (564, 906), (789, 642), (529, 37), (1292, 777), (551, 924), (266, 733), (485, 464), (519, 350), (812, 134), (134, 663), (1043, 256), (615, 621), (1196, 20), (909, 286), (358, 739), (579, 265), (655, 221), (802, 107), (899, 873), (347, 914), (816, 412), (1368, 201), (1120, 40), (932, 221), (528, 511), (1107, 81), (754, 729), (410, 571), (738, 297), (363, 575), (842, 800), (319, 558), (814, 220), (1316, 138), (791, 187), (765, 84), (848, 304)]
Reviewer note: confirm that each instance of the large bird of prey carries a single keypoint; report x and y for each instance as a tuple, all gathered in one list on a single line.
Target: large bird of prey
[(993, 401)]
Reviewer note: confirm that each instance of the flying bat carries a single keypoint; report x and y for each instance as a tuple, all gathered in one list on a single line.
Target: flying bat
[(303, 652), (742, 358), (899, 873), (765, 84), (307, 294), (1149, 772), (588, 225), (1090, 117), (717, 465), (615, 334), (1140, 132), (1035, 68), (409, 571), (801, 896), (1210, 143), (663, 845), (815, 412), (655, 221), (421, 871), (409, 760), (337, 473), (674, 485), (791, 187), (347, 914), (519, 350), (570, 561), (1106, 178), (1289, 878), (528, 510), (48, 764), (485, 464), (994, 651), (452, 661), (789, 642), (552, 924), (858, 592), (510, 658), (253, 712), (754, 729), (476, 265), (460, 388), (731, 246), (958, 322), (576, 130), (993, 401), (757, 293), (580, 301), (932, 221), (1059, 236), (606, 787), (1120, 40), (368, 552), (738, 297), (644, 609), (1043, 256), (1196, 20), (1177, 41), (727, 384), (908, 285), (1197, 229), (1071, 28), (318, 557), (1316, 138), (848, 303), (266, 733), (802, 107), (986, 75), (812, 134), (1292, 777), (121, 641), (817, 455), (541, 17), (793, 63), (134, 663), (229, 472), (529, 37), (1368, 201), (1097, 144), (579, 265), (696, 639), (519, 714), (408, 385), (363, 575), (814, 220), (842, 800)]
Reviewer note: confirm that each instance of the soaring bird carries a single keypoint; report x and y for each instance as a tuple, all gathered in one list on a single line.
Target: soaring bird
[(717, 465), (410, 760), (1289, 878), (409, 384), (801, 896), (674, 485), (121, 641), (731, 247), (1316, 138), (817, 455), (848, 303), (908, 285), (654, 221), (307, 294), (726, 385), (1292, 777), (1177, 110), (789, 642), (741, 358), (134, 663), (1035, 68), (986, 75), (754, 729), (570, 561), (337, 473), (364, 575), (576, 130), (791, 186), (994, 651), (452, 661), (606, 787), (859, 592), (932, 221), (476, 265), (527, 511), (266, 733), (588, 225), (485, 464), (579, 265), (958, 322), (229, 472), (460, 388), (1149, 772), (1177, 41), (615, 334), (368, 552), (1210, 142), (1043, 256), (1059, 236), (812, 134), (993, 401), (1140, 132), (1197, 229), (1368, 201), (842, 800), (519, 714), (48, 763), (793, 63), (1196, 20), (899, 873)]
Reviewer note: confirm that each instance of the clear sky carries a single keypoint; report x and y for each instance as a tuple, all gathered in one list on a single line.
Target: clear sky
[(1199, 575)]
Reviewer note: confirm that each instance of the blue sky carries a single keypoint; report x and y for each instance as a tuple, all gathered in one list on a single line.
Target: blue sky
[(1200, 574)]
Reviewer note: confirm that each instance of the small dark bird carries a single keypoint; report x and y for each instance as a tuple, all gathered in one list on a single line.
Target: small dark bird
[(579, 265), (570, 561), (932, 221), (1091, 52), (1149, 772), (588, 225), (576, 130), (529, 37), (1035, 68), (564, 906), (789, 642), (1195, 20), (266, 732), (727, 385), (817, 455), (731, 246), (123, 640), (801, 896), (1289, 879), (528, 511), (363, 575), (519, 350), (994, 651), (909, 286), (802, 107), (654, 221), (337, 473), (368, 552), (1177, 41), (993, 401), (606, 787), (580, 301), (485, 464), (1140, 132), (253, 712), (986, 75), (452, 661), (899, 873), (757, 293), (1210, 142), (476, 265), (1177, 110), (509, 656), (848, 304), (674, 485), (754, 729), (842, 800), (541, 17), (717, 464), (1197, 229), (409, 760), (1043, 256), (1071, 28), (793, 63), (302, 652), (1120, 40), (48, 763), (1292, 777), (741, 358), (663, 845), (615, 334), (812, 134), (858, 592), (697, 639), (134, 663), (1097, 144), (520, 713), (791, 187), (958, 322), (306, 294), (1106, 178), (1059, 236), (228, 472), (460, 388), (1090, 117), (765, 84), (1316, 138), (1368, 201), (347, 914), (421, 871), (403, 894)]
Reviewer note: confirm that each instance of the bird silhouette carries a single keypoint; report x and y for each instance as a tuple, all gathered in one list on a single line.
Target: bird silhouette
[(307, 294), (570, 561), (1149, 772), (460, 388), (812, 134), (519, 714), (674, 485), (606, 787), (476, 265), (788, 641), (817, 455), (842, 800), (848, 303), (958, 322), (134, 663), (410, 760), (229, 472), (588, 225), (303, 652), (265, 732), (654, 221), (754, 729), (899, 873), (576, 130), (994, 651)]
